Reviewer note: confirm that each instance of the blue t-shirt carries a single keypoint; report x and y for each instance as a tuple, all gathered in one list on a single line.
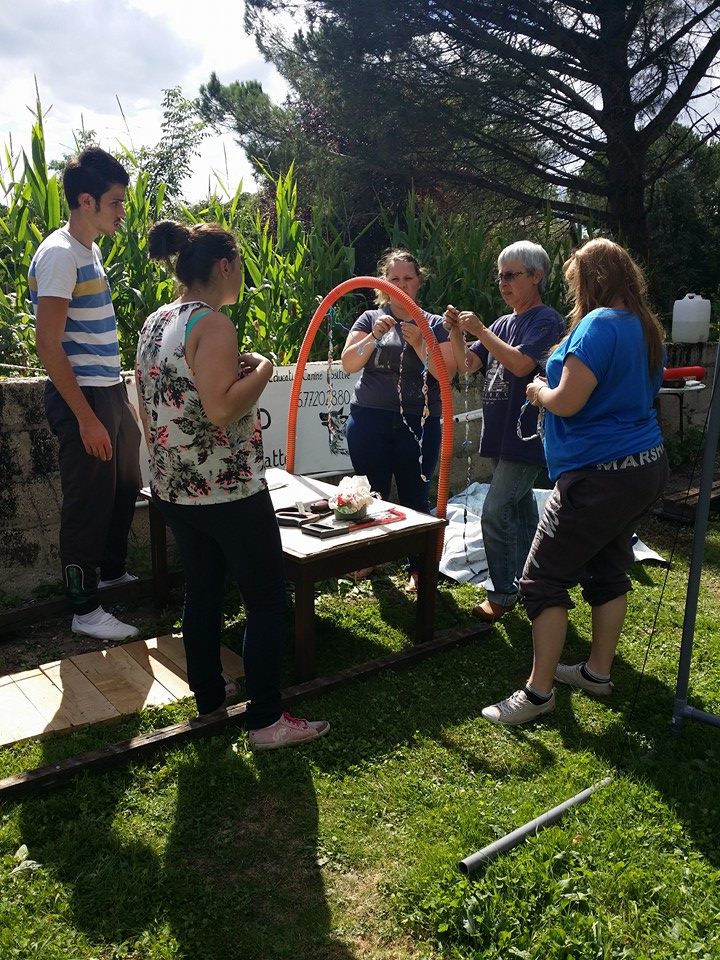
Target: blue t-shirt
[(619, 418), (534, 332), (377, 386)]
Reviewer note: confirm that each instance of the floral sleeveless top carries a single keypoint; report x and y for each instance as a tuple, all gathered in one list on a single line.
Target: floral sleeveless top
[(192, 461)]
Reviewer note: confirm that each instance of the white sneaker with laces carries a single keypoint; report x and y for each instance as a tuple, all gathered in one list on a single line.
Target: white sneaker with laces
[(572, 675), (517, 708), (117, 582), (102, 625), (288, 731)]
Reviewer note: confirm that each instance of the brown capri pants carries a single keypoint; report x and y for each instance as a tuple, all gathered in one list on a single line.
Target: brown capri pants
[(585, 533)]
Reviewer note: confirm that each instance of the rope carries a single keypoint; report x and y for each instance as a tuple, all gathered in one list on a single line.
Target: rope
[(10, 366)]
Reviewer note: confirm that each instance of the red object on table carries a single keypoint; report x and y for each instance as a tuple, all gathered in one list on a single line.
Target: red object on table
[(680, 373)]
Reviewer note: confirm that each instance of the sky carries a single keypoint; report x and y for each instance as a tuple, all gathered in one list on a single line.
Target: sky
[(88, 54)]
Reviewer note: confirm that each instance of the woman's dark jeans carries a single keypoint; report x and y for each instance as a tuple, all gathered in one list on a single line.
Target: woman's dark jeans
[(241, 536), (381, 447)]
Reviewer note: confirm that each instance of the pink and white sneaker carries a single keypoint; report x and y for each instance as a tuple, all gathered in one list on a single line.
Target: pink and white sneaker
[(288, 731)]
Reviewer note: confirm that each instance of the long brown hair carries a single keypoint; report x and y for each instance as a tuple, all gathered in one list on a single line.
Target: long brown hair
[(602, 272)]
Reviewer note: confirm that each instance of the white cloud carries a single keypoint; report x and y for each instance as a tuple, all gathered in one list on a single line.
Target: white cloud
[(91, 56)]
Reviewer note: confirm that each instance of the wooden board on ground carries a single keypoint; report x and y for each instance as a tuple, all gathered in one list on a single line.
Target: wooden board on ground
[(121, 680), (681, 505), (95, 687)]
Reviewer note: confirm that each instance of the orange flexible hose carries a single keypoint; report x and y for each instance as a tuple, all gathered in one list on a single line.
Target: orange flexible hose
[(446, 442)]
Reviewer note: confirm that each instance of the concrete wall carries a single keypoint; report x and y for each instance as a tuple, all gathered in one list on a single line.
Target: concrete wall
[(30, 487)]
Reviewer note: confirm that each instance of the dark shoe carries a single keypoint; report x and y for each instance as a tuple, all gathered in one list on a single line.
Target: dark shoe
[(489, 612)]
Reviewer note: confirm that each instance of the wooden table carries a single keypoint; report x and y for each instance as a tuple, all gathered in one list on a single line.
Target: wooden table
[(309, 559)]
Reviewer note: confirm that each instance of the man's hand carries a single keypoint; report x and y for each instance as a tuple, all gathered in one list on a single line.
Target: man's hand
[(95, 438)]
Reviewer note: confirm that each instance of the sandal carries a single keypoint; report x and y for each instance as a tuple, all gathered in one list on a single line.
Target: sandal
[(490, 612), (412, 585)]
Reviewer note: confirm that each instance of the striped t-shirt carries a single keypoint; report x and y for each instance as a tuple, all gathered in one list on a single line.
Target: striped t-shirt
[(64, 267)]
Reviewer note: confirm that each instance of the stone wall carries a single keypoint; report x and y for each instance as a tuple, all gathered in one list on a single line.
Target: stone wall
[(30, 487), (30, 495)]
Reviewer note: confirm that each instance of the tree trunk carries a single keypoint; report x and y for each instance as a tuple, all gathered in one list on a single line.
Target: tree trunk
[(626, 204)]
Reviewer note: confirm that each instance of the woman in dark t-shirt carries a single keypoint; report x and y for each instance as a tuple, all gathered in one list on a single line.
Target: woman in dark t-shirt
[(509, 353), (395, 409)]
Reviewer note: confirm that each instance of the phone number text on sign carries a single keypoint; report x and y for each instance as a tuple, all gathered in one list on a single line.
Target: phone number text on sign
[(323, 398)]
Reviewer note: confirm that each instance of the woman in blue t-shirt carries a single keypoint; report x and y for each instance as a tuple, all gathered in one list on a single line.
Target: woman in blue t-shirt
[(605, 454), (396, 403)]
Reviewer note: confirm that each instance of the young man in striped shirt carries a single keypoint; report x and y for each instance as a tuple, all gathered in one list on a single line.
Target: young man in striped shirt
[(85, 398)]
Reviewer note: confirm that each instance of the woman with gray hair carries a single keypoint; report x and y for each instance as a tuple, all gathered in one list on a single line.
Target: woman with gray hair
[(510, 352)]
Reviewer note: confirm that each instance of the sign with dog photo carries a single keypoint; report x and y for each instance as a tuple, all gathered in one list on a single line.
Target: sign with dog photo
[(323, 409)]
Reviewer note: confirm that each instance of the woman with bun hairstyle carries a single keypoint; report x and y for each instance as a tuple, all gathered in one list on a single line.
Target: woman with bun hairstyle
[(198, 405)]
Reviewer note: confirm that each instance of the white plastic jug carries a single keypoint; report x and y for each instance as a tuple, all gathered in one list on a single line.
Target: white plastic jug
[(691, 319)]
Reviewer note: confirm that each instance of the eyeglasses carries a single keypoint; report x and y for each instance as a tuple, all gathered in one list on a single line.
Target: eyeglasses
[(507, 276)]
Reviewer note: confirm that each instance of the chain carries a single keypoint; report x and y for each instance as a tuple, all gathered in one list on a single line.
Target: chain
[(426, 408), (332, 424), (467, 446)]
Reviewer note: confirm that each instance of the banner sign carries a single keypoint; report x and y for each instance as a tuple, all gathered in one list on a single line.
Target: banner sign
[(320, 446)]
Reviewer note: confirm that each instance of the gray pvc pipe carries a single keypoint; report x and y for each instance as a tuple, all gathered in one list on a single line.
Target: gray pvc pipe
[(702, 511), (476, 860)]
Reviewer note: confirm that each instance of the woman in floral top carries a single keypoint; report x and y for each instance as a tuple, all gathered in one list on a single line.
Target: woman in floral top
[(198, 408)]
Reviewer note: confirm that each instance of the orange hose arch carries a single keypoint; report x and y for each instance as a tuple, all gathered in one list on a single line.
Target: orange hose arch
[(446, 443)]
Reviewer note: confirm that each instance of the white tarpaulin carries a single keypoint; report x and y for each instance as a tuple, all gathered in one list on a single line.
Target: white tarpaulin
[(463, 557)]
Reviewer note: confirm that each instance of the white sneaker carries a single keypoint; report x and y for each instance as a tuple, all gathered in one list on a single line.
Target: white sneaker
[(102, 625), (288, 731), (572, 675), (517, 708), (118, 581)]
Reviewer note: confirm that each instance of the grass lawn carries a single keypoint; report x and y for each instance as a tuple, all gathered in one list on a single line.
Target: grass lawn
[(348, 848)]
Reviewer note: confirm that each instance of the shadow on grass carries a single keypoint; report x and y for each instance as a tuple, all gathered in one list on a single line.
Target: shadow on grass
[(685, 769), (442, 702), (241, 866), (219, 861)]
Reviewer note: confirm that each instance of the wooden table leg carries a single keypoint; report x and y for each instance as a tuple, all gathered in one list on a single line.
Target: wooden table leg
[(427, 589), (158, 552), (304, 624)]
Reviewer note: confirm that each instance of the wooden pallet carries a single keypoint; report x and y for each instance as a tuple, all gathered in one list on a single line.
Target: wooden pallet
[(95, 687), (682, 504)]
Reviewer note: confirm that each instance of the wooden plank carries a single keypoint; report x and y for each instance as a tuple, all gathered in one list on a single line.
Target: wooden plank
[(48, 699), (122, 680), (692, 494), (32, 782), (681, 505), (19, 719), (161, 667), (232, 663), (82, 700), (171, 645)]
